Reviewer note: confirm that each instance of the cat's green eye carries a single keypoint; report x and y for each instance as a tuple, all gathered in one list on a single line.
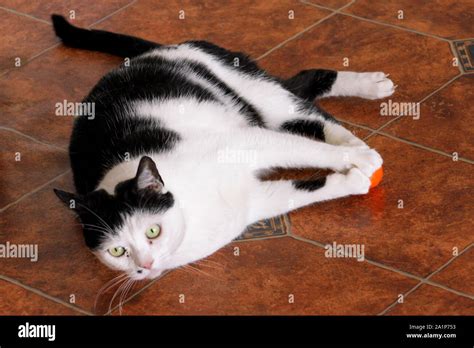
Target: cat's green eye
[(153, 232), (117, 251)]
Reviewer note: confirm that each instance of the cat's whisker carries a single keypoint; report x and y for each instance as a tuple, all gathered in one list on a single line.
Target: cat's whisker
[(123, 297), (111, 283), (92, 227), (213, 265), (118, 291), (204, 273)]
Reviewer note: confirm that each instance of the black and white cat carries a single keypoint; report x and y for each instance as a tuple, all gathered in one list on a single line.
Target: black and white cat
[(166, 172)]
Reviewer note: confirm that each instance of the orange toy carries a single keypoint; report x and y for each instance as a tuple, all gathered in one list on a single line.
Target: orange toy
[(376, 177)]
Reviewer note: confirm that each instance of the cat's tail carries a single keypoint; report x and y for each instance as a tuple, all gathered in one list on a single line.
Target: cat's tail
[(99, 40)]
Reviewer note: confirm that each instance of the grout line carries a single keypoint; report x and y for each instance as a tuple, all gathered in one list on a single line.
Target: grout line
[(31, 58), (309, 241), (43, 51), (380, 22), (24, 15), (440, 88), (325, 7), (113, 13), (43, 294), (357, 125), (281, 44), (396, 27), (449, 262), (31, 138), (447, 288), (422, 280), (33, 191), (439, 152), (427, 281), (259, 238), (409, 142), (405, 295)]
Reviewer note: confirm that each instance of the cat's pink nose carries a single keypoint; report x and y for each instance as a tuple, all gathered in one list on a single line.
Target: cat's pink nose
[(147, 264)]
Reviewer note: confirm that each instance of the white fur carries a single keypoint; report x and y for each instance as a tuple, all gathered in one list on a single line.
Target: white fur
[(370, 85)]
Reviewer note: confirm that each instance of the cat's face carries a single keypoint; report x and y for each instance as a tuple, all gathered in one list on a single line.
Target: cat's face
[(136, 230)]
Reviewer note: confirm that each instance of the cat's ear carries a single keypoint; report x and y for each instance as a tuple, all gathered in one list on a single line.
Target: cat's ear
[(70, 199), (147, 177)]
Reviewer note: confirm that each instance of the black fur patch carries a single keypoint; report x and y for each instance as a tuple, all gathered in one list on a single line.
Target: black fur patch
[(101, 214), (309, 84), (146, 200), (309, 128), (96, 146), (309, 185)]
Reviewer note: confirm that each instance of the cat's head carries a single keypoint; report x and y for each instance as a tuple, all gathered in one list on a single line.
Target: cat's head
[(137, 229)]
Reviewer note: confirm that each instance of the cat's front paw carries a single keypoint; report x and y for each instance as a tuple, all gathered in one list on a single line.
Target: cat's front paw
[(356, 182), (367, 160), (375, 85)]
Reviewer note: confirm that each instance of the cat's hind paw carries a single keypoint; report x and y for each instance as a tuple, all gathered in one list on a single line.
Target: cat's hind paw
[(375, 85)]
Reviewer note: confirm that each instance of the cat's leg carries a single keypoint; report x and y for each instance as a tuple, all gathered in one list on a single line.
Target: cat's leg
[(272, 198), (278, 149), (319, 83), (322, 128)]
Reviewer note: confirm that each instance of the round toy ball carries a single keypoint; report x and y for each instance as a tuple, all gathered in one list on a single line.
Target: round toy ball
[(376, 178)]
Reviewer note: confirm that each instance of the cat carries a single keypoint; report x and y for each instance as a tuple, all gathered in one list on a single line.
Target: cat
[(167, 170)]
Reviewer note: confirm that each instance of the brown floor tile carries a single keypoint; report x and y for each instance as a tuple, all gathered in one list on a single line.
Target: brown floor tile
[(430, 300), (235, 285), (449, 19), (26, 165), (28, 96), (209, 20), (65, 266), (417, 71), (22, 38), (459, 275), (444, 122), (437, 198), (19, 301), (86, 11)]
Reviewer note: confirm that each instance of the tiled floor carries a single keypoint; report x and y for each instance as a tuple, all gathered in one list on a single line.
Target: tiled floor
[(416, 227)]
